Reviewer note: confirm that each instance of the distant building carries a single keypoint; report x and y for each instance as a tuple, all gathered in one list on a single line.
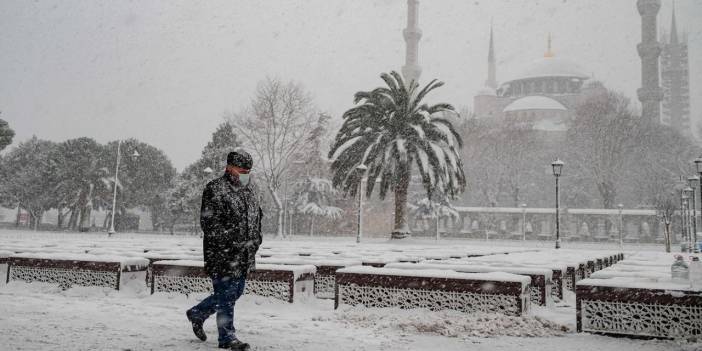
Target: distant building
[(675, 77), (544, 94)]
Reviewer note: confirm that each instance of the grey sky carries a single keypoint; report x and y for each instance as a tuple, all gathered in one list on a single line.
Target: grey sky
[(165, 71)]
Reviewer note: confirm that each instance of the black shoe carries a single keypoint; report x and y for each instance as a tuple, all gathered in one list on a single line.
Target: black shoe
[(237, 345), (197, 326)]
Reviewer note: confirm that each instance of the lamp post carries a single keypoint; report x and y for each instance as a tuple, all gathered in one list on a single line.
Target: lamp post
[(689, 194), (523, 221), (435, 211), (683, 224), (362, 169), (692, 182), (698, 164), (134, 156), (557, 167), (685, 200), (620, 207)]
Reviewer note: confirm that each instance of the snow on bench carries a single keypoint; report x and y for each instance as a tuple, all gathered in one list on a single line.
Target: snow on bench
[(325, 276), (638, 306), (433, 289), (285, 282), (637, 297), (541, 279), (579, 263), (76, 269)]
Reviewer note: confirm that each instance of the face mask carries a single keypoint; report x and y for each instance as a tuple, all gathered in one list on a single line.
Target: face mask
[(244, 179)]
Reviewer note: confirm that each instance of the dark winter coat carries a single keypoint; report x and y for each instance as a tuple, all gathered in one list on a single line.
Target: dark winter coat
[(231, 221)]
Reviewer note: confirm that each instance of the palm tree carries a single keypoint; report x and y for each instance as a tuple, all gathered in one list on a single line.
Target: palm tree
[(389, 130), (315, 200)]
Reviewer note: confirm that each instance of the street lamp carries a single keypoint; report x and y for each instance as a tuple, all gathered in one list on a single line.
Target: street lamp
[(683, 221), (134, 157), (698, 164), (362, 169), (689, 194), (621, 227), (692, 182), (523, 221), (557, 166)]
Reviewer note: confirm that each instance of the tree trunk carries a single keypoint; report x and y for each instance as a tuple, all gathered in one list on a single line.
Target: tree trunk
[(401, 230), (85, 211), (61, 215), (73, 219), (667, 236), (19, 213), (155, 219), (311, 225), (106, 220), (278, 210), (608, 192)]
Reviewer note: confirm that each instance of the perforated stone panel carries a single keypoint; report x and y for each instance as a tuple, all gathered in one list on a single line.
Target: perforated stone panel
[(324, 286), (671, 321), (190, 285), (568, 283), (434, 300), (65, 277)]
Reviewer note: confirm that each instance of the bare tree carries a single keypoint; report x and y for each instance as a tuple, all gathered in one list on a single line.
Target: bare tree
[(666, 204), (276, 128), (601, 137)]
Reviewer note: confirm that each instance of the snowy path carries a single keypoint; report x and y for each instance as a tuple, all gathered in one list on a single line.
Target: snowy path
[(41, 317)]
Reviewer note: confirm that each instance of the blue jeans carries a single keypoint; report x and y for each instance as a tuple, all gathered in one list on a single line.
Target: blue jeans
[(226, 291)]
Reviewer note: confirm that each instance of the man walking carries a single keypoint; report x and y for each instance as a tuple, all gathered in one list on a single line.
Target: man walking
[(231, 222)]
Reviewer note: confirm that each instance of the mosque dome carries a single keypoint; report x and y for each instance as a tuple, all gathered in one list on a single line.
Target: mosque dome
[(535, 102), (552, 67)]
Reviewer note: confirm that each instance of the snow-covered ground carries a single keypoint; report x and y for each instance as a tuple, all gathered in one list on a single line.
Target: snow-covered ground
[(40, 316)]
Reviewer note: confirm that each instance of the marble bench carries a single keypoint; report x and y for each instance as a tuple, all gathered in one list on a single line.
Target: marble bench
[(540, 284), (639, 306), (433, 289), (284, 282), (76, 269)]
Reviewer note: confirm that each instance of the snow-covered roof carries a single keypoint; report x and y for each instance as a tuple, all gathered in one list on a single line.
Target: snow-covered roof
[(534, 102), (552, 67)]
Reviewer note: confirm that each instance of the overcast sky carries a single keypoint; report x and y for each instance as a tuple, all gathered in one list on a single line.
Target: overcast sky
[(165, 72)]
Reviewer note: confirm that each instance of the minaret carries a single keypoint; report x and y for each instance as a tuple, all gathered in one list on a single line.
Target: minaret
[(492, 68), (411, 70), (549, 50), (650, 93), (675, 81)]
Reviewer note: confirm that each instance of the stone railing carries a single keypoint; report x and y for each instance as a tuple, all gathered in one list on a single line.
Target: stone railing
[(636, 225)]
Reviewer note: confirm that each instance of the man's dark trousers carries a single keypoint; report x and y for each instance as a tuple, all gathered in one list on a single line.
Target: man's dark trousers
[(226, 291)]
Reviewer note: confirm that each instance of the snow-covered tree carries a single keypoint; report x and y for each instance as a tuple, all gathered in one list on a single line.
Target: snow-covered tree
[(390, 130), (276, 128), (184, 198), (82, 180), (314, 200), (601, 138), (6, 134), (26, 179), (436, 208), (224, 140)]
